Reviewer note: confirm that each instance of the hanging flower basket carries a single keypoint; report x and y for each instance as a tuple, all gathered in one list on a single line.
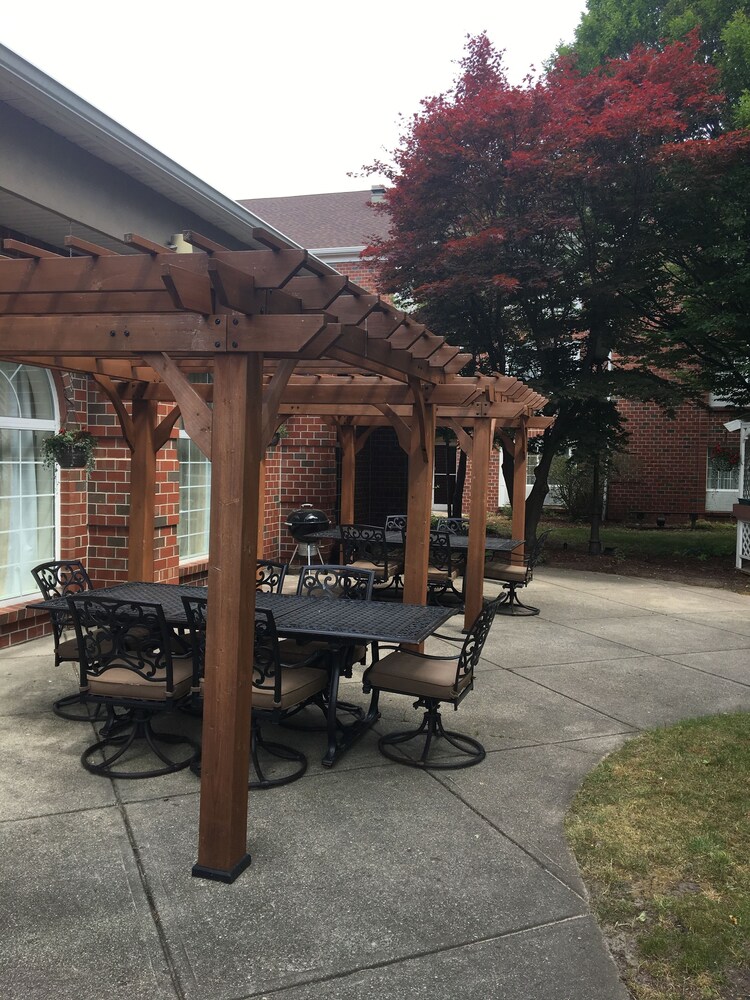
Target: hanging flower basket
[(69, 449), (724, 459)]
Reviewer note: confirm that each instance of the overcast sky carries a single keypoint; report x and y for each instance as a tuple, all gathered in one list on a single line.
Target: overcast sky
[(273, 98)]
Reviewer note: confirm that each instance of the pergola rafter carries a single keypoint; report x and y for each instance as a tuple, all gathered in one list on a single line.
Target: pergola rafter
[(280, 333)]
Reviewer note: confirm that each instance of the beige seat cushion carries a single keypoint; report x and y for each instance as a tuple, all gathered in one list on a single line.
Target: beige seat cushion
[(366, 564), (119, 682), (435, 575), (413, 675), (297, 685), (512, 574)]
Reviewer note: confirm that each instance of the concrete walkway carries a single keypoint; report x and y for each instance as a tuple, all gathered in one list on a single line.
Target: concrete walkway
[(370, 879)]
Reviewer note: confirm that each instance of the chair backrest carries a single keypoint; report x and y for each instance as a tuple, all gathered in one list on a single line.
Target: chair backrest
[(441, 557), (454, 525), (474, 642), (395, 522), (266, 662), (61, 578), (364, 542), (269, 576), (127, 635), (345, 582), (196, 613), (536, 551)]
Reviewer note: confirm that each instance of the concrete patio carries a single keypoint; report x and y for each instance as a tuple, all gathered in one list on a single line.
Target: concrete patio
[(369, 878)]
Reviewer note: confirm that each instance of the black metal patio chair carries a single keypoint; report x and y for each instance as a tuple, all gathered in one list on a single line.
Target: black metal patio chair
[(126, 662), (432, 680), (278, 687), (269, 576), (364, 546), (443, 569), (514, 577), (337, 583), (63, 578)]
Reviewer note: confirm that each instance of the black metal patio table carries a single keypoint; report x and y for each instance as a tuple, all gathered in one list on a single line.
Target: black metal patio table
[(339, 622), (460, 543)]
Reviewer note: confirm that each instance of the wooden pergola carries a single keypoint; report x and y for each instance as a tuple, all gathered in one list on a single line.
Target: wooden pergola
[(281, 334)]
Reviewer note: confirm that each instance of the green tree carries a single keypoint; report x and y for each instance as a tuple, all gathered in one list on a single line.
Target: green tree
[(612, 28), (534, 225)]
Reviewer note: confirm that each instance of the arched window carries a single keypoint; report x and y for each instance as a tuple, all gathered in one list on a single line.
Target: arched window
[(28, 413)]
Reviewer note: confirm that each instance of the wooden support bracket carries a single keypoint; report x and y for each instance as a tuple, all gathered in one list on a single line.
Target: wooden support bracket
[(465, 440), (399, 425), (194, 410), (272, 397), (163, 429), (109, 389)]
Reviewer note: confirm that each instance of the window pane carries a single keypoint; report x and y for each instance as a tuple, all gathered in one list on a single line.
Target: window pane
[(27, 488), (195, 494)]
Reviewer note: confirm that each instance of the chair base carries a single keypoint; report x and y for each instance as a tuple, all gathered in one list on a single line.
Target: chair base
[(432, 730), (281, 751), (348, 708), (121, 742), (87, 711), (511, 605)]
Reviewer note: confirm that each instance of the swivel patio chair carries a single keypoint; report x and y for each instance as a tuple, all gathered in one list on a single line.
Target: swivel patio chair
[(126, 662), (432, 680), (277, 688), (395, 522), (62, 578), (443, 569), (364, 546), (514, 578), (454, 525), (269, 576), (331, 583)]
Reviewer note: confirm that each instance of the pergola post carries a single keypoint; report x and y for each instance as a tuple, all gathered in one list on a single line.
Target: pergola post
[(480, 469), (348, 440), (419, 506), (518, 524), (236, 452), (142, 520)]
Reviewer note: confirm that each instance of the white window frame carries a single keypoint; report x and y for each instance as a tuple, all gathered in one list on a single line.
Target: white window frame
[(37, 424)]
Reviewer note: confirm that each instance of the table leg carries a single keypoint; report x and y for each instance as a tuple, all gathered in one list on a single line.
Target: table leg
[(340, 738)]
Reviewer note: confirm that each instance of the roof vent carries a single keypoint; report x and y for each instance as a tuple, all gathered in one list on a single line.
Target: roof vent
[(377, 192)]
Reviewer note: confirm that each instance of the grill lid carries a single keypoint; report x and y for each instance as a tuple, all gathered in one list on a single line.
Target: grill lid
[(306, 520)]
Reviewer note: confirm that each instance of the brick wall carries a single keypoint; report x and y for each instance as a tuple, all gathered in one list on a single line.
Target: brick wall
[(664, 469)]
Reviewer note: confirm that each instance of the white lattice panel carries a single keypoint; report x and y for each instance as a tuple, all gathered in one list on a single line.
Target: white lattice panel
[(743, 543)]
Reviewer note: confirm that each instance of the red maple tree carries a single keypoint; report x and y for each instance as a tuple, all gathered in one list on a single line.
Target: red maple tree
[(534, 225)]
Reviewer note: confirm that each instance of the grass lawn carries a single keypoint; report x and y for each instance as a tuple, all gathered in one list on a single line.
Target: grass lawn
[(661, 831), (710, 539)]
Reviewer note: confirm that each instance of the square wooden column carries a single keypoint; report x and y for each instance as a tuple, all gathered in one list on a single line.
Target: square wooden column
[(142, 520), (236, 454), (419, 507), (348, 441), (480, 478)]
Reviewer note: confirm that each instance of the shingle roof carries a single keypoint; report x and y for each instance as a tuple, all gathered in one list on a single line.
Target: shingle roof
[(341, 219)]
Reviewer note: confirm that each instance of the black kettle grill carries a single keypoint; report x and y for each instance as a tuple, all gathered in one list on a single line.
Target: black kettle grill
[(303, 522)]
